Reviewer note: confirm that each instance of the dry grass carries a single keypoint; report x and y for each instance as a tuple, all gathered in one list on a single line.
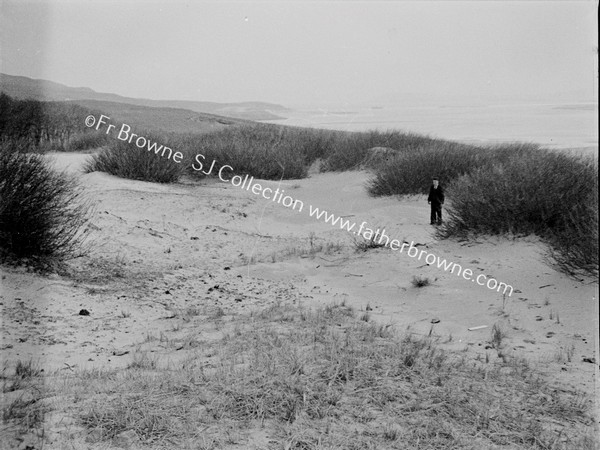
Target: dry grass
[(20, 400), (362, 245), (310, 247), (419, 281), (497, 336), (325, 379)]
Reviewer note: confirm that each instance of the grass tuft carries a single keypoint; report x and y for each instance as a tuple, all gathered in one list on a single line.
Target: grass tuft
[(419, 281)]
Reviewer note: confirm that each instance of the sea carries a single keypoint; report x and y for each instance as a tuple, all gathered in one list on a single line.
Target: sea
[(564, 126)]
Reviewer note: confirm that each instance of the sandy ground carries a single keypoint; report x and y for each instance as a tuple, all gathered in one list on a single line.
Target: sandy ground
[(158, 251)]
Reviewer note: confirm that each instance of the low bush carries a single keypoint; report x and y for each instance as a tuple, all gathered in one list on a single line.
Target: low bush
[(274, 152), (419, 281), (41, 211), (350, 150), (263, 151), (45, 126), (129, 161), (411, 171), (550, 194), (89, 140)]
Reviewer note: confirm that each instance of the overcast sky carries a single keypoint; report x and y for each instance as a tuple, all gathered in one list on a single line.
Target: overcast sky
[(304, 52)]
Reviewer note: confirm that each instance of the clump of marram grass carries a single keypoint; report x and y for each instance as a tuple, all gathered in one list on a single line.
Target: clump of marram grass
[(327, 378), (362, 244), (42, 212), (349, 150), (419, 281), (126, 160), (550, 194), (497, 336), (20, 402), (303, 251), (515, 189), (42, 126), (88, 140), (264, 151), (279, 152), (411, 172)]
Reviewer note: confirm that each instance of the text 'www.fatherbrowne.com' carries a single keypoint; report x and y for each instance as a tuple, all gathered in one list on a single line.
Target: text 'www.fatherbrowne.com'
[(380, 237), (278, 196), (226, 174)]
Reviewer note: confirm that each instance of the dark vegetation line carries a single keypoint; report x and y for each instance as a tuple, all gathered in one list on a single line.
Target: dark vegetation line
[(509, 189), (46, 126)]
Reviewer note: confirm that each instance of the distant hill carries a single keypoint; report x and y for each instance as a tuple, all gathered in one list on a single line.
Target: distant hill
[(158, 118), (28, 88)]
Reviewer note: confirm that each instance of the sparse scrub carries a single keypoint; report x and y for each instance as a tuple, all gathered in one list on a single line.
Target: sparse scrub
[(419, 281), (129, 161), (42, 212), (565, 354), (325, 377), (42, 126), (142, 360), (25, 370), (570, 352), (497, 336), (349, 150), (26, 412), (362, 245), (22, 410), (315, 246), (89, 140), (24, 374)]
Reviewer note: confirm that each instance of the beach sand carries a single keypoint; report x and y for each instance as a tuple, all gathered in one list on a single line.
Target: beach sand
[(159, 249)]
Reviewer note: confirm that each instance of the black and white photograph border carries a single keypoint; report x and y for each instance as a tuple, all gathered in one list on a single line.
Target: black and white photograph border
[(299, 225)]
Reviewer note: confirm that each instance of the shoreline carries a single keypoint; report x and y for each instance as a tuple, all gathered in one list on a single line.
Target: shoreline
[(548, 125)]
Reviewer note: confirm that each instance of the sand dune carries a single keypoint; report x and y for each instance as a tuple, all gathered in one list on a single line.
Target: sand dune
[(208, 245)]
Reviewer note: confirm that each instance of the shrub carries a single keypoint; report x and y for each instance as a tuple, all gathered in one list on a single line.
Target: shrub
[(418, 281), (264, 151), (129, 161), (349, 150), (44, 125), (279, 152), (411, 172), (551, 194), (89, 140), (274, 152), (316, 144), (41, 210)]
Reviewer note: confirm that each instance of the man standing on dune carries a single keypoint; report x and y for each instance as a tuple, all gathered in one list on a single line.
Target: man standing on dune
[(436, 200)]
